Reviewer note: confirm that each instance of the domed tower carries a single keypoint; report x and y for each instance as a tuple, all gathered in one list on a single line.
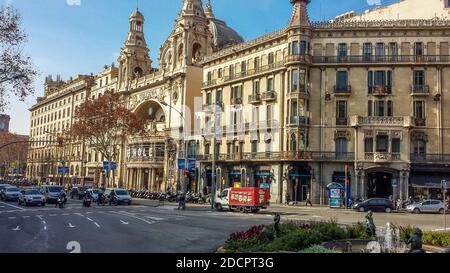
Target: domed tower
[(134, 60), (298, 63)]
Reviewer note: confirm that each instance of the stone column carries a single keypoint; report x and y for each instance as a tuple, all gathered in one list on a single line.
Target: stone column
[(363, 185)]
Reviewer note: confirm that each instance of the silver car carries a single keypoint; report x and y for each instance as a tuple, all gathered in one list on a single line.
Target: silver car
[(10, 194), (31, 197), (433, 206)]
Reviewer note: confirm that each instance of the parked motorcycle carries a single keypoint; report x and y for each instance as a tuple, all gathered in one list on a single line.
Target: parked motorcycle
[(87, 201), (61, 202)]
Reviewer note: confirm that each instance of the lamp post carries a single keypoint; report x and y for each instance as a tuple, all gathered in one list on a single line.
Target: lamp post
[(185, 144)]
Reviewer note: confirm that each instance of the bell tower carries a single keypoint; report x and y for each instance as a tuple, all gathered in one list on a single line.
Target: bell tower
[(134, 60)]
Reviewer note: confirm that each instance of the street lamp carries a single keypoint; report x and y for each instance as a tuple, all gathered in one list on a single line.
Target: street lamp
[(185, 142)]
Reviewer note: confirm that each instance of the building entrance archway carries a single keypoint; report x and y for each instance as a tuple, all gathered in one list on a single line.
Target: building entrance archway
[(379, 184)]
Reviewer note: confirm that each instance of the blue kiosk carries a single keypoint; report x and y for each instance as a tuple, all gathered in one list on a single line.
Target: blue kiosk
[(335, 191)]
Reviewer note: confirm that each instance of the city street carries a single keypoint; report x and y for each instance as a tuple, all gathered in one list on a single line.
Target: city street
[(140, 228), (119, 229)]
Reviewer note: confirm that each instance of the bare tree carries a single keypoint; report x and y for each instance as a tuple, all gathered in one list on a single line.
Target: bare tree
[(17, 72)]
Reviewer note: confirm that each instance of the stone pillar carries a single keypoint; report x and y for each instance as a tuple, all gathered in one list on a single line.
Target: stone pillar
[(363, 185)]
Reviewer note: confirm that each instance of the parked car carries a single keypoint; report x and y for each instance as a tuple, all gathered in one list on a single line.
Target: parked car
[(78, 193), (431, 206), (123, 196), (51, 193), (31, 197), (10, 194), (375, 204)]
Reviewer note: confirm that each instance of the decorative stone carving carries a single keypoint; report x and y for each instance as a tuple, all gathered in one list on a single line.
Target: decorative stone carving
[(342, 134), (419, 135)]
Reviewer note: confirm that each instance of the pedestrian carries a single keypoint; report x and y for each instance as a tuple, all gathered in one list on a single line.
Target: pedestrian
[(181, 202), (308, 200)]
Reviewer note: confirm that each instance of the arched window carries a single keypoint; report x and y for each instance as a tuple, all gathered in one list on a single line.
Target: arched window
[(138, 72)]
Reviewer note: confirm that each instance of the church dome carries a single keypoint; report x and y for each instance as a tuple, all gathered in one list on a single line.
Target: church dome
[(223, 35)]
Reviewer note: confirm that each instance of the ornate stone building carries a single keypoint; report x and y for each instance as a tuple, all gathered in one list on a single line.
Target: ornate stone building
[(315, 103)]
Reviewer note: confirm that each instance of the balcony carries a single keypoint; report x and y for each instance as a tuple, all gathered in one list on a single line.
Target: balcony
[(342, 90), (357, 121), (254, 71), (389, 59), (380, 90), (341, 121), (421, 122), (254, 99), (420, 90), (283, 156), (269, 96), (302, 91), (235, 101), (430, 158), (379, 157), (210, 107), (209, 83), (298, 121), (298, 59)]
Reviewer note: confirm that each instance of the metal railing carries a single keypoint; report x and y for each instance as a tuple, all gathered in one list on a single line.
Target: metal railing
[(298, 58), (347, 89), (283, 156), (269, 95), (380, 90), (235, 101), (420, 89), (358, 59), (420, 122), (255, 98), (297, 120), (431, 158)]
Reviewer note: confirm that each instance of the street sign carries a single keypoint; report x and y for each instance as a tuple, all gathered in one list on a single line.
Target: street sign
[(63, 170), (182, 164), (109, 165)]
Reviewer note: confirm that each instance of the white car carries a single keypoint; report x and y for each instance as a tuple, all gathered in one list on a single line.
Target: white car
[(433, 206), (31, 197)]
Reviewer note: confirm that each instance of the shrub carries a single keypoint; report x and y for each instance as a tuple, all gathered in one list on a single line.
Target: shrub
[(358, 231), (330, 231), (294, 241), (318, 249), (441, 239)]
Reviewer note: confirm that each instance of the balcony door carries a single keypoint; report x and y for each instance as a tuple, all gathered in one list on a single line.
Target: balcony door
[(341, 147)]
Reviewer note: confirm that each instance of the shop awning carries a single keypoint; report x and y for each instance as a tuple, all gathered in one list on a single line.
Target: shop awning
[(429, 180)]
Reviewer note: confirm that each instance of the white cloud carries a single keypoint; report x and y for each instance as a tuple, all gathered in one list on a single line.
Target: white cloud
[(374, 2), (73, 2)]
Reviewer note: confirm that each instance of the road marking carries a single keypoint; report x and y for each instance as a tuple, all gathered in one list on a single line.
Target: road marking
[(71, 226), (16, 229), (45, 227), (128, 215), (97, 224), (25, 216), (39, 216), (89, 212), (43, 221), (65, 214), (74, 246), (125, 223), (79, 214), (16, 207), (2, 206), (10, 218), (89, 219), (155, 218)]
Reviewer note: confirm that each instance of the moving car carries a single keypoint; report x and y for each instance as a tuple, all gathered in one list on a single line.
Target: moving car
[(31, 197), (431, 206), (243, 199), (51, 193), (375, 204), (94, 194), (10, 194), (123, 196)]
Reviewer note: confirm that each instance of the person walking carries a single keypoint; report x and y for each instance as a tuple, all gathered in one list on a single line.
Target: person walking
[(181, 201), (308, 200)]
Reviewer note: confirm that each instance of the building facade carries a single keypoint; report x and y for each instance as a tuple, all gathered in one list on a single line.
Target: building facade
[(359, 101), (352, 101)]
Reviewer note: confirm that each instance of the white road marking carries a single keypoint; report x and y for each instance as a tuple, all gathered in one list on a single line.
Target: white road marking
[(125, 223), (65, 214), (45, 227), (44, 222), (96, 224), (39, 216), (89, 212), (74, 246), (16, 229), (79, 214), (25, 216), (129, 215), (89, 219), (2, 206), (155, 218), (16, 207), (71, 226)]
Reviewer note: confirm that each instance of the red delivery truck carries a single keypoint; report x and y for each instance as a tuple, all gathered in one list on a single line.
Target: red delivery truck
[(243, 199)]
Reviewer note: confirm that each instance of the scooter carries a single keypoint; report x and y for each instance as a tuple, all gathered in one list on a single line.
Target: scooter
[(101, 200)]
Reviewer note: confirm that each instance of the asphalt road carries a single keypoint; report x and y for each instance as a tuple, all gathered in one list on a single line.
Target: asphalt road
[(144, 229), (111, 229)]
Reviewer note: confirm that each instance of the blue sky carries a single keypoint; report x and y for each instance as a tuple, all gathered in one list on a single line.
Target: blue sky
[(68, 39)]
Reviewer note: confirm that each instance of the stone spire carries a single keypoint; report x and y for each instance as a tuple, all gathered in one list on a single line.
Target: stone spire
[(192, 8), (209, 10), (300, 16)]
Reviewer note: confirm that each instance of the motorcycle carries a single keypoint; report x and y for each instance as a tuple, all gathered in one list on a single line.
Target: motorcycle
[(60, 202), (87, 201), (113, 200), (101, 200)]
